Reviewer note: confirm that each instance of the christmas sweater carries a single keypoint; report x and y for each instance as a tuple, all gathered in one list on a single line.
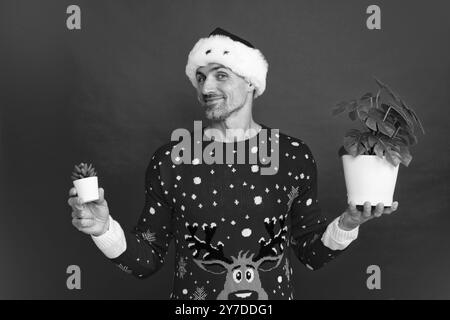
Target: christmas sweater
[(236, 226)]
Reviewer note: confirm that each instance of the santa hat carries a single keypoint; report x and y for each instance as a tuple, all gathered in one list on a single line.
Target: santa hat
[(232, 52)]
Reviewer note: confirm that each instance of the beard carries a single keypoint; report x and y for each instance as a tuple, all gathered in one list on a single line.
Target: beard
[(220, 111)]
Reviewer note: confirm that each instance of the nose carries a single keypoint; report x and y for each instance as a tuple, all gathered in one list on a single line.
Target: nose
[(208, 87)]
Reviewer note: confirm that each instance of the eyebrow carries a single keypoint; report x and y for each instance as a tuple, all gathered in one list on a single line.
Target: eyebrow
[(215, 68)]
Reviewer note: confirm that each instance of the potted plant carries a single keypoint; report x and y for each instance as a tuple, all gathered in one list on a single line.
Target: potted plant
[(86, 182), (371, 157)]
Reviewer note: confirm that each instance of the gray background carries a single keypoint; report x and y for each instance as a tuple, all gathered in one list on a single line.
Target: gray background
[(114, 91)]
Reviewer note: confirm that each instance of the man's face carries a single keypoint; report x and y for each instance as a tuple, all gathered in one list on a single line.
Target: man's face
[(221, 91)]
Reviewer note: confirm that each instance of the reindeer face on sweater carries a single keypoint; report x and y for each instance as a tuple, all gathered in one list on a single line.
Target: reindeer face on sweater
[(242, 279)]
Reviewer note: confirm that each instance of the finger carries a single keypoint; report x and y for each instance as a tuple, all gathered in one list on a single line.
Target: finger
[(82, 223), (72, 192), (379, 209), (87, 223), (79, 204), (367, 209), (72, 201), (101, 196), (394, 206), (76, 203), (82, 214), (76, 223), (352, 208), (392, 209)]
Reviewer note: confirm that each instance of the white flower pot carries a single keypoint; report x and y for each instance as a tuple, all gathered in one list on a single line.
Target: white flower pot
[(87, 189), (369, 178)]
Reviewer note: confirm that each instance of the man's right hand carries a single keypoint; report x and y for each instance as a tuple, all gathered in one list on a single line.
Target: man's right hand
[(90, 218)]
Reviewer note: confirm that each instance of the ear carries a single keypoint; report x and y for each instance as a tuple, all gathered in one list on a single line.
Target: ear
[(269, 263), (213, 266), (251, 88)]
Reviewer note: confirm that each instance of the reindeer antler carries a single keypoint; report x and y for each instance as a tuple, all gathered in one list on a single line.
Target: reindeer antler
[(269, 247), (196, 244)]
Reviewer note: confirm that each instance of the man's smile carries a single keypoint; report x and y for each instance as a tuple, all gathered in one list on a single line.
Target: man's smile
[(212, 100)]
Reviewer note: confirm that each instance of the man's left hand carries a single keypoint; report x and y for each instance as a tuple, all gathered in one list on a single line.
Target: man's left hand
[(352, 217)]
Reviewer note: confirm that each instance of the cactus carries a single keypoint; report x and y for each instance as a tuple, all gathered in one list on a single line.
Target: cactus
[(83, 170)]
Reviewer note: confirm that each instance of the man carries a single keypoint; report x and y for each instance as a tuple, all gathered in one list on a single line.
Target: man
[(234, 227)]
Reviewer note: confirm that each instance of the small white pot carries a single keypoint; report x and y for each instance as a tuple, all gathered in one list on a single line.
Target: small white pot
[(87, 189), (369, 178)]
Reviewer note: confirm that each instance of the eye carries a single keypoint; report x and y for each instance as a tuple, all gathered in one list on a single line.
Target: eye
[(237, 276), (200, 78), (249, 275), (221, 76)]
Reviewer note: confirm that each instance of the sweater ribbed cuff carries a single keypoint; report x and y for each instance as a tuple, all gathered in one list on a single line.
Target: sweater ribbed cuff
[(112, 243), (336, 238)]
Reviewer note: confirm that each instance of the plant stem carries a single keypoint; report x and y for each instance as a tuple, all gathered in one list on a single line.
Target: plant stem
[(393, 136), (386, 113), (376, 99)]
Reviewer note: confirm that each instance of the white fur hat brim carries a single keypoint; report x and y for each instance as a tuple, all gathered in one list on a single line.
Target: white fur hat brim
[(243, 60)]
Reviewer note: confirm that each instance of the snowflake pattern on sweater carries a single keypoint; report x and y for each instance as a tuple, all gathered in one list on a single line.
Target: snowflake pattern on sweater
[(233, 227)]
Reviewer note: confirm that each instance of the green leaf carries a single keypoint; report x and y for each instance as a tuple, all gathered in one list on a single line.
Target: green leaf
[(403, 114), (377, 98), (393, 157), (343, 103), (410, 138), (379, 151), (338, 110), (406, 159), (366, 96), (407, 113), (376, 114), (361, 149), (353, 105), (405, 155), (382, 126), (387, 89), (386, 128), (350, 145), (353, 133), (372, 140), (395, 161), (371, 123), (414, 115), (365, 146), (363, 115)]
